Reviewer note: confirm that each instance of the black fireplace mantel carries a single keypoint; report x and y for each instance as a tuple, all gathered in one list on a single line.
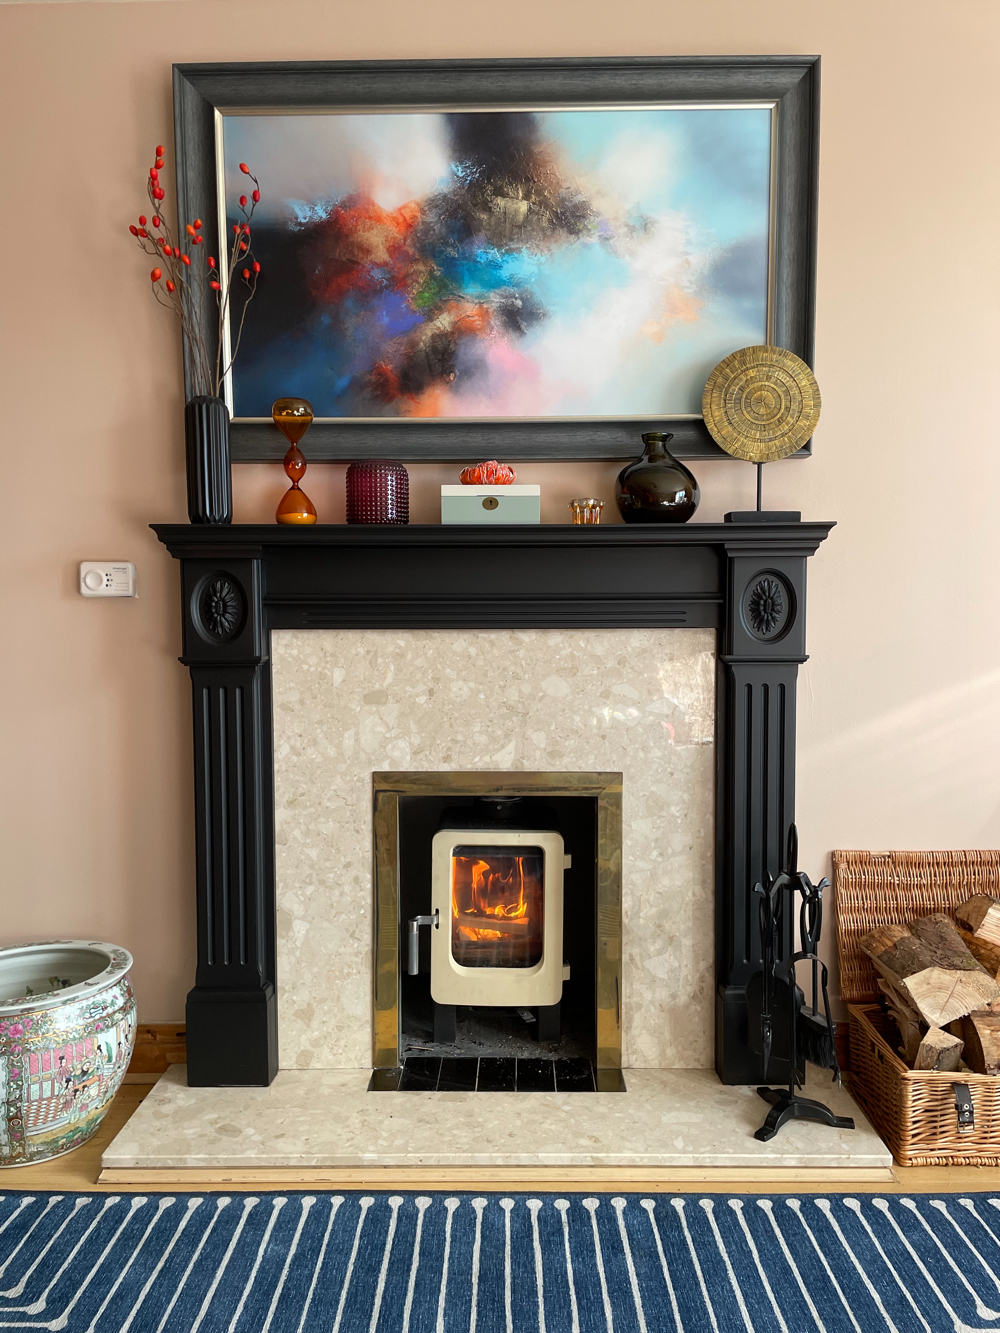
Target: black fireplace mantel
[(745, 580)]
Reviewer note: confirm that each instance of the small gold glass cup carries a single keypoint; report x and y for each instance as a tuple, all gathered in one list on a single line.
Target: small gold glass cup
[(586, 511)]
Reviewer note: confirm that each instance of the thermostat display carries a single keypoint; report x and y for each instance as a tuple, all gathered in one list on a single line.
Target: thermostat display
[(107, 578)]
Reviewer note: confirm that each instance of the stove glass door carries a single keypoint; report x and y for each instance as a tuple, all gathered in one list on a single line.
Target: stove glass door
[(497, 904)]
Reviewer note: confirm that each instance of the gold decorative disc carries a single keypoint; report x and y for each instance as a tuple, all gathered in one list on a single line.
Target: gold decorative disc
[(761, 404)]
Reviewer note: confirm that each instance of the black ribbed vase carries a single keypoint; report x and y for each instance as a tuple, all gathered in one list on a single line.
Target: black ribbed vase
[(209, 477)]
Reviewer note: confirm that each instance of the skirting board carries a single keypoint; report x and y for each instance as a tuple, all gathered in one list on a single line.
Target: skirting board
[(506, 1178)]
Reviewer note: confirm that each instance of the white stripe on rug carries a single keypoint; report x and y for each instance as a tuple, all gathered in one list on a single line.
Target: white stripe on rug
[(18, 1288), (307, 1202), (422, 1204), (737, 1206), (220, 1203), (709, 1209), (678, 1206), (768, 1208), (592, 1206), (533, 1207), (826, 1209), (618, 1204), (562, 1206), (161, 1207), (192, 1204), (335, 1203), (248, 1203), (650, 1208), (276, 1207), (365, 1203), (394, 1201), (478, 1204)]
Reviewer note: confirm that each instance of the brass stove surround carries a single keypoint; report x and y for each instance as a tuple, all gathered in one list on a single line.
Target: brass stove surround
[(387, 788)]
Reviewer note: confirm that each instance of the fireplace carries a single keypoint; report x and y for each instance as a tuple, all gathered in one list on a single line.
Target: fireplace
[(614, 584)]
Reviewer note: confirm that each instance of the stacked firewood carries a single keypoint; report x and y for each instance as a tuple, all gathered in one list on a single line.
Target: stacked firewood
[(939, 976)]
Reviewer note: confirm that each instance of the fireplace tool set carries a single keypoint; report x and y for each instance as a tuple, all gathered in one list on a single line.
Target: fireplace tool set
[(781, 1024)]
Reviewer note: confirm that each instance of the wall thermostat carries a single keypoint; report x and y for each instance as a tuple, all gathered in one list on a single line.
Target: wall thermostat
[(106, 578)]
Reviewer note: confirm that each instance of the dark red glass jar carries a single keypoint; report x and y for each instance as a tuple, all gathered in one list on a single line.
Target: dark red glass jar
[(378, 492)]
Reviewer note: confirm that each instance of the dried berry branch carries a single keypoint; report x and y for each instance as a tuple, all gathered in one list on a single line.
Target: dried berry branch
[(179, 283)]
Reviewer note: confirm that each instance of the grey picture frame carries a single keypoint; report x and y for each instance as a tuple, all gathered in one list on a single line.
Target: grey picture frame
[(791, 82)]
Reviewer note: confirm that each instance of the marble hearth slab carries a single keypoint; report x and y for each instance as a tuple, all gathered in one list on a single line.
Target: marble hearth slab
[(668, 1118)]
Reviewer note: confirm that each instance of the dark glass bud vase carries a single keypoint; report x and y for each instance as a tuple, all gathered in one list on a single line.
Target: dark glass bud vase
[(656, 488), (378, 492), (209, 478)]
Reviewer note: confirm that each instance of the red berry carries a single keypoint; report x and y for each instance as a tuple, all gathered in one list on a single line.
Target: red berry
[(156, 222), (154, 175), (170, 286), (245, 169), (243, 201), (143, 232), (243, 245), (159, 162), (256, 266), (256, 196), (215, 286), (189, 229), (236, 228), (158, 193), (142, 220), (197, 240), (246, 274), (134, 229), (185, 259), (155, 275), (159, 150), (197, 224), (211, 262), (246, 229)]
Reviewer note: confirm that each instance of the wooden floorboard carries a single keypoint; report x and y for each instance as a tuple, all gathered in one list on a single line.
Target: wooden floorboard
[(81, 1171)]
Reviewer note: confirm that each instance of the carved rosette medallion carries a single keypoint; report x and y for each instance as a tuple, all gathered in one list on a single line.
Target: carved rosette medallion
[(767, 607), (220, 608)]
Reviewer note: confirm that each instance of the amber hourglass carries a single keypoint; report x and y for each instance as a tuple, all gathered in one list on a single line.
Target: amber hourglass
[(293, 417)]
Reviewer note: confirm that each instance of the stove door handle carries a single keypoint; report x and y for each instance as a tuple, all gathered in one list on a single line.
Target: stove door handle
[(415, 923)]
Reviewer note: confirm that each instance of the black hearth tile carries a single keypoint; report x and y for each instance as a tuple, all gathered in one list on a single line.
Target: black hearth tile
[(574, 1075), (497, 1075), (420, 1073), (536, 1076), (384, 1080), (609, 1080), (458, 1075)]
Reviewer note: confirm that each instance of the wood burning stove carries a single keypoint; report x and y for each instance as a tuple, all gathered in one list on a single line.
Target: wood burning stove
[(497, 907)]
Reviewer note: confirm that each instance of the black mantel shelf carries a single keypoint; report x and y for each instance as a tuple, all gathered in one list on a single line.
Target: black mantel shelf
[(745, 580)]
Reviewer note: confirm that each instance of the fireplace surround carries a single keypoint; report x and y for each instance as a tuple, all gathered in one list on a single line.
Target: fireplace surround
[(744, 580)]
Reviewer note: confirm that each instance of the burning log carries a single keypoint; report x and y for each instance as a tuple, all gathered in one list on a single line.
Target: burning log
[(930, 965)]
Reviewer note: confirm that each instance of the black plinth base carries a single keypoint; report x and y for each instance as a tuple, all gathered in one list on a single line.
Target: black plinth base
[(445, 1024), (549, 1025), (232, 1038), (764, 516), (785, 1107)]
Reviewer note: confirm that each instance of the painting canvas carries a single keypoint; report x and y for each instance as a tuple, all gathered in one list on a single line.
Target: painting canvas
[(502, 264)]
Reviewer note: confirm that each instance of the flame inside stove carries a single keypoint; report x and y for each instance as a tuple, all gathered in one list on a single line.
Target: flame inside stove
[(496, 906)]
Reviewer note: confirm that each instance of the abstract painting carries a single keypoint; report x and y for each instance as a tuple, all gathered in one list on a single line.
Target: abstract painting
[(502, 264)]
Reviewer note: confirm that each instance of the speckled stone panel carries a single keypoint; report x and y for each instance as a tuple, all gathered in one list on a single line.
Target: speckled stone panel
[(348, 703)]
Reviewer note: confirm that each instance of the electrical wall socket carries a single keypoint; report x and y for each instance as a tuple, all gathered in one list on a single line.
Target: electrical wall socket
[(107, 578)]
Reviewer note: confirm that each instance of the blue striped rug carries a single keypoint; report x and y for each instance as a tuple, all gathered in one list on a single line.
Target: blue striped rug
[(362, 1263)]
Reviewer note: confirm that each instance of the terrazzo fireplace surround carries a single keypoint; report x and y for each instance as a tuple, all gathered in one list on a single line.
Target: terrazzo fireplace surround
[(350, 702), (320, 658)]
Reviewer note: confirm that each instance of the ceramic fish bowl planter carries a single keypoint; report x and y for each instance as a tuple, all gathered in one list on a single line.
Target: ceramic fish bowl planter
[(67, 1028)]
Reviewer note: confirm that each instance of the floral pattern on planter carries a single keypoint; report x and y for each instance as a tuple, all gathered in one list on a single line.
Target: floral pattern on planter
[(59, 1069)]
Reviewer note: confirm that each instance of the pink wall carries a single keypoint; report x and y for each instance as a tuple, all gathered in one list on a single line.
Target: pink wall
[(900, 704)]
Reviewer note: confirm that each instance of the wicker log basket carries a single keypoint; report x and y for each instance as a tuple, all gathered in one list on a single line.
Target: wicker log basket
[(914, 1111)]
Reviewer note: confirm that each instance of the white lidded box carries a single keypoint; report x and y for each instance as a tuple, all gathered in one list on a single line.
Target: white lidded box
[(491, 504)]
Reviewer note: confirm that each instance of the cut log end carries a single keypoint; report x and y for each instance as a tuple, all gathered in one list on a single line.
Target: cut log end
[(939, 1051)]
